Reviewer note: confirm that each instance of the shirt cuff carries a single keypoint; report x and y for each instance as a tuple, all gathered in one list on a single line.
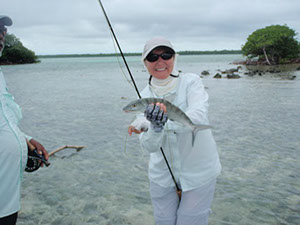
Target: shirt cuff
[(141, 123)]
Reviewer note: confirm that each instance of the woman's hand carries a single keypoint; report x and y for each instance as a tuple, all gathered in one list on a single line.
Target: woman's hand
[(132, 129), (157, 115)]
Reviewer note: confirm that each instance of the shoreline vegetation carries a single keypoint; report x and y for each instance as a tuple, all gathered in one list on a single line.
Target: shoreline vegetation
[(272, 45), (216, 52)]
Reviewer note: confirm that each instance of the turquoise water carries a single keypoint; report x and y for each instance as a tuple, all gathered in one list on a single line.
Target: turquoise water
[(78, 101)]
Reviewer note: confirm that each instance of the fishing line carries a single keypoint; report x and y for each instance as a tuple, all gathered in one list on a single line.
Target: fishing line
[(116, 40), (137, 91), (124, 74), (126, 139)]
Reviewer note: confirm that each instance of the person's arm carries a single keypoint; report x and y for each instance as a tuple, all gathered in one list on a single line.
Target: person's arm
[(151, 140), (158, 116), (150, 127), (197, 101), (139, 125)]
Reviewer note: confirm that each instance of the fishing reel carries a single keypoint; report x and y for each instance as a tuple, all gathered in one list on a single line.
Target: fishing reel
[(34, 161)]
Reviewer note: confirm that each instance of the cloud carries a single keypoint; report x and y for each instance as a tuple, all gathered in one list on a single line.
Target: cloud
[(76, 26)]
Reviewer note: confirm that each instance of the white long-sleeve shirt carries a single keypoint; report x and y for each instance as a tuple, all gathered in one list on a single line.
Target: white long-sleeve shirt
[(192, 166), (13, 152)]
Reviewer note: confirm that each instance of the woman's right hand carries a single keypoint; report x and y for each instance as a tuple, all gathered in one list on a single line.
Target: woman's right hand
[(132, 129), (157, 115)]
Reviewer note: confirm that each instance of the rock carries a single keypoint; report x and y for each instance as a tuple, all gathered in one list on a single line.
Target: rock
[(205, 72), (288, 77), (233, 76), (218, 76), (298, 68), (232, 70), (250, 73)]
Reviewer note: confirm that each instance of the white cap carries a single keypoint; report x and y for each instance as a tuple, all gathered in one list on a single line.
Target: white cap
[(154, 43), (5, 20)]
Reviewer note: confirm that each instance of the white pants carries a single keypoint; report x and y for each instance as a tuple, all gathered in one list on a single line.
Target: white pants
[(193, 209)]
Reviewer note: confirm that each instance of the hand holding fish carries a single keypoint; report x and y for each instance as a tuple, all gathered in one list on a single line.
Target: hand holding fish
[(174, 113), (132, 129), (157, 115)]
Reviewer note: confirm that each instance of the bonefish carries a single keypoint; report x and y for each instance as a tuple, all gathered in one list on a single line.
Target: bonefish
[(174, 113)]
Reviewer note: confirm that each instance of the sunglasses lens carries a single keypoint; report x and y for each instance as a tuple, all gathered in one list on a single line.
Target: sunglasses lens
[(152, 57), (166, 56)]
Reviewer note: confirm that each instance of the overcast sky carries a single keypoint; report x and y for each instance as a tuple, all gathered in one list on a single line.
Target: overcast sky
[(79, 26)]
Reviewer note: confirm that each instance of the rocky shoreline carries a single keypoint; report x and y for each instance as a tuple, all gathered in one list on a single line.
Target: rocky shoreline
[(249, 62), (251, 70)]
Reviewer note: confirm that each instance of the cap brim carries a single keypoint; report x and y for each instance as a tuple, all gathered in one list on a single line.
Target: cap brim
[(6, 21), (154, 47)]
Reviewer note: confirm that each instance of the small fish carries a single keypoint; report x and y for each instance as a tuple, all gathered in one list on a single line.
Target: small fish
[(174, 113)]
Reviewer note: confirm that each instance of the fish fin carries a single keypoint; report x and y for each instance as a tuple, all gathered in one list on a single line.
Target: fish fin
[(193, 138), (201, 127), (196, 129)]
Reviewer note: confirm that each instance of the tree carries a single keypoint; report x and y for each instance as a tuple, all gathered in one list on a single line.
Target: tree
[(15, 53), (272, 44)]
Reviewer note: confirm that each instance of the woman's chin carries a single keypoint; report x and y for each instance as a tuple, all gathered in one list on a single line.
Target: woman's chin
[(161, 76)]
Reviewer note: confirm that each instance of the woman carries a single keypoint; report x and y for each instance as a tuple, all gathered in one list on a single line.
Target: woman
[(195, 165)]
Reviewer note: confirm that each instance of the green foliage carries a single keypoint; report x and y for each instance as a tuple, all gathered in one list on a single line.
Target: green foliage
[(272, 43), (15, 53)]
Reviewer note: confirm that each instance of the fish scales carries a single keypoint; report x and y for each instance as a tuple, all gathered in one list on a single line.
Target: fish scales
[(174, 113)]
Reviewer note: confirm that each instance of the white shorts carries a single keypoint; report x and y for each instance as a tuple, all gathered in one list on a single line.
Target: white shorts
[(193, 209)]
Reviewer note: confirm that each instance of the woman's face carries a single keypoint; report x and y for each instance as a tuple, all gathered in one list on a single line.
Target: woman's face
[(160, 69)]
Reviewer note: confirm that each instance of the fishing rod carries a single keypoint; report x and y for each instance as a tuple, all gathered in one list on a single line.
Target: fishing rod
[(113, 33), (137, 91)]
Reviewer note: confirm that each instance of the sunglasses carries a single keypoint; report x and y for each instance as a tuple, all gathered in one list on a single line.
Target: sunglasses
[(3, 30), (154, 57)]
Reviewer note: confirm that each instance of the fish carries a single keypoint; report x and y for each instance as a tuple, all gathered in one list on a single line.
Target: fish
[(174, 113)]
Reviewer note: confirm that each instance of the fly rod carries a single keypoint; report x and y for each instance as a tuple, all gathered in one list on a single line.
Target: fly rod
[(123, 57), (137, 91)]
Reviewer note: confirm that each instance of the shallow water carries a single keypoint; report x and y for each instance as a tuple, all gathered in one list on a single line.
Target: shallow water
[(78, 101)]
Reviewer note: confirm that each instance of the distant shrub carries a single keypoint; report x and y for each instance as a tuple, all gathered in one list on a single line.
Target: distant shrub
[(16, 53), (275, 44)]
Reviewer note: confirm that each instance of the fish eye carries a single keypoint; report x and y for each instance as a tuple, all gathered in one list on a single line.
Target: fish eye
[(133, 105)]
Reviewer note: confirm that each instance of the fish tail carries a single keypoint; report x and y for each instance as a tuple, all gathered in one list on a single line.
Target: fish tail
[(196, 129)]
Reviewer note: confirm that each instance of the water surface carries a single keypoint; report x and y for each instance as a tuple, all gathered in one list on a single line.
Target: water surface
[(78, 101)]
